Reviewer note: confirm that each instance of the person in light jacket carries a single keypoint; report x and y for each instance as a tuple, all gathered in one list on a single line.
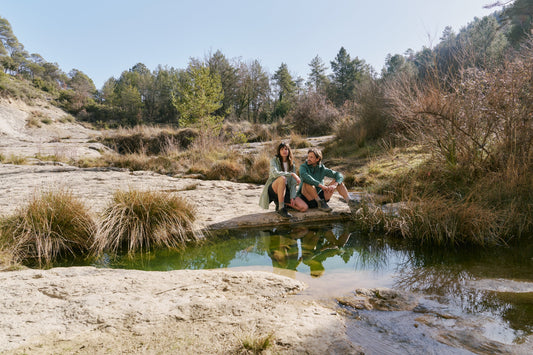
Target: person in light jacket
[(282, 183)]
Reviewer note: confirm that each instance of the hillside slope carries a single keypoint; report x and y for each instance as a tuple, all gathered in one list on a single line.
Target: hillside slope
[(41, 129)]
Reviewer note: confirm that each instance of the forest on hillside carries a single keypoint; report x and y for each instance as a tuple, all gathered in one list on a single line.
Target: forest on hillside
[(235, 89)]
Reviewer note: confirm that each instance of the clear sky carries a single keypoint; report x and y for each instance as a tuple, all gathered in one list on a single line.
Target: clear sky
[(103, 38)]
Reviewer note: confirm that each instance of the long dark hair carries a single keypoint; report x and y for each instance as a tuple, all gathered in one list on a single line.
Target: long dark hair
[(290, 158)]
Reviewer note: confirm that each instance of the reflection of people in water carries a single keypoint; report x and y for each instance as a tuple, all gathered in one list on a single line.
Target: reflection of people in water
[(284, 252), (315, 249)]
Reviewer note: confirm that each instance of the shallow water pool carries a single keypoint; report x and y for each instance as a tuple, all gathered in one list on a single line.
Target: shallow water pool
[(334, 259)]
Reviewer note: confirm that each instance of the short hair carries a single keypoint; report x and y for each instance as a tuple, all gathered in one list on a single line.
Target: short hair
[(317, 152)]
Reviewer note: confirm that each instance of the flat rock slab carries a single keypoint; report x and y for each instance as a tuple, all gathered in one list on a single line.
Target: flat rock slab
[(85, 310)]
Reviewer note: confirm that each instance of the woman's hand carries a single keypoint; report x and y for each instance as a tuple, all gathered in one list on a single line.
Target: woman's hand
[(297, 178)]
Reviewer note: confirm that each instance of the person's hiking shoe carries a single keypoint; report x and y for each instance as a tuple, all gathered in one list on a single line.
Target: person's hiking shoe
[(323, 206), (283, 213), (354, 205)]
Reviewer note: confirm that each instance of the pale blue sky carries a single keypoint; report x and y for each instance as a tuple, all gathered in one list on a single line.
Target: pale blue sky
[(104, 38)]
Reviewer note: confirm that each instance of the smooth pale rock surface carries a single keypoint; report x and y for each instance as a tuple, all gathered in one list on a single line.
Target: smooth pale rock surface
[(85, 309)]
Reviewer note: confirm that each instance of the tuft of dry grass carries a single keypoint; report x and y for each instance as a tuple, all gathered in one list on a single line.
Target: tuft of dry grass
[(297, 141), (13, 159), (442, 221), (53, 225), (140, 220), (253, 344), (7, 259), (257, 167), (226, 169)]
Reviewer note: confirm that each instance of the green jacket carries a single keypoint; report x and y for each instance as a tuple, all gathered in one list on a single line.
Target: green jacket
[(314, 175), (275, 172)]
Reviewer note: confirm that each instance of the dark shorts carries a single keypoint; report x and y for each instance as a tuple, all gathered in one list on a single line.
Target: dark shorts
[(312, 203), (273, 196)]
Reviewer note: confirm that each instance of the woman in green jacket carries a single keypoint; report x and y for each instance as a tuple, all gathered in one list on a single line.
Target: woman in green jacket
[(282, 183)]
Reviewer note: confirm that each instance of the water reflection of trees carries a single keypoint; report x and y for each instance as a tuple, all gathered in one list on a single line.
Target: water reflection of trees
[(448, 273), (214, 253)]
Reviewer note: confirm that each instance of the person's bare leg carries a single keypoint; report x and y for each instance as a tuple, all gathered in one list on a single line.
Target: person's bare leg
[(279, 187), (309, 191), (343, 191), (299, 205)]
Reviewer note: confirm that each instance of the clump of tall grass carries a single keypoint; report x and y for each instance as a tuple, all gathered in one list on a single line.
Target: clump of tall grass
[(141, 220), (442, 221), (434, 221), (214, 159), (52, 226)]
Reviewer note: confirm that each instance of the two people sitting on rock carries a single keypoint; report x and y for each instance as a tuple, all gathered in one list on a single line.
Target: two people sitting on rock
[(287, 189)]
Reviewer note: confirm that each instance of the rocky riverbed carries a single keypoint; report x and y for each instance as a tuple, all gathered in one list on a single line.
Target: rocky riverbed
[(88, 310)]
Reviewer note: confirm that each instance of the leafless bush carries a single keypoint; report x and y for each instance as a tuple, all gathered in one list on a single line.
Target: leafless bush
[(367, 118), (313, 115), (480, 118)]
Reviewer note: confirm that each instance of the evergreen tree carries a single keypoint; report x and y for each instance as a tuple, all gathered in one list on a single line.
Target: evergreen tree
[(286, 89), (520, 15), (199, 95), (219, 64), (346, 74), (317, 78)]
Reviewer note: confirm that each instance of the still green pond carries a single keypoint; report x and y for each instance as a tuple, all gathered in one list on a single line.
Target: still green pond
[(337, 258)]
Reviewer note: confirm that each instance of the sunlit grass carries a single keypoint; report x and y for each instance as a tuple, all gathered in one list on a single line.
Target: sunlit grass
[(13, 159), (140, 220), (254, 344), (53, 225)]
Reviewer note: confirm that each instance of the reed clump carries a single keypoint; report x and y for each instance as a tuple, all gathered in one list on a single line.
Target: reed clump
[(141, 220), (53, 225)]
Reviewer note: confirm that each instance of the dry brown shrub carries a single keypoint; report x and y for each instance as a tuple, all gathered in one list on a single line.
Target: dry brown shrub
[(480, 118), (297, 141), (257, 167), (365, 119), (150, 140), (313, 115)]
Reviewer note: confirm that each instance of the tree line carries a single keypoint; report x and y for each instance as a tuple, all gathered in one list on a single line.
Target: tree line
[(220, 88)]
